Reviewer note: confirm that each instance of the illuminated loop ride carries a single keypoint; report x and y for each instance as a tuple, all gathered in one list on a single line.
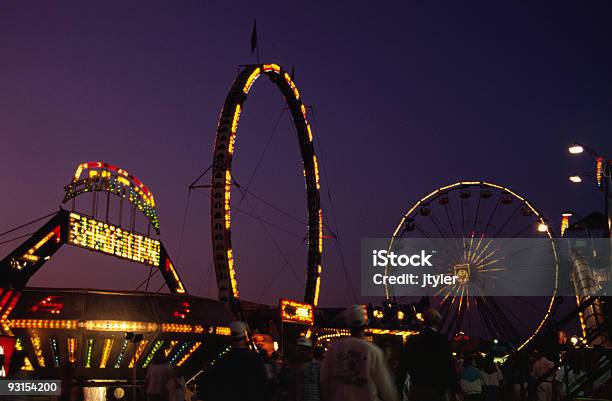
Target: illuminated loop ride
[(474, 214), (86, 329), (221, 182)]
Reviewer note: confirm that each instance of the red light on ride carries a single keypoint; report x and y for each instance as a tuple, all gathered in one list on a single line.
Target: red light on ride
[(50, 305), (182, 311)]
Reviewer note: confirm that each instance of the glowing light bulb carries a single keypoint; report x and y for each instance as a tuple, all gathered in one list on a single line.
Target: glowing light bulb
[(575, 149), (575, 179)]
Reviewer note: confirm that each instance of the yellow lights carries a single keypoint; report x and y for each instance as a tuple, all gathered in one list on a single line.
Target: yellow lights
[(565, 221), (378, 314), (236, 119), (316, 171), (118, 325), (599, 173), (139, 350), (228, 184), (106, 238), (232, 272), (403, 333), (170, 347), (331, 333), (89, 352), (576, 179), (111, 326), (29, 255), (181, 328), (38, 350), (222, 331), (105, 170), (317, 287), (79, 170), (251, 79), (72, 350), (294, 89), (271, 68), (400, 315), (179, 285), (309, 131), (296, 312), (176, 328), (193, 348), (222, 175), (232, 141), (542, 227), (320, 231), (27, 365), (106, 350), (43, 324), (152, 353), (575, 149)]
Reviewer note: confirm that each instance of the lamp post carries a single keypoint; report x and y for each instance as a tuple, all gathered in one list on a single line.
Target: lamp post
[(603, 172)]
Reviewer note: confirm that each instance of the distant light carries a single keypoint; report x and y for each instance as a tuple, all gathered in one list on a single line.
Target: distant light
[(574, 340), (275, 345), (495, 341), (576, 149), (378, 314), (567, 213), (542, 227), (575, 178), (400, 315), (419, 317)]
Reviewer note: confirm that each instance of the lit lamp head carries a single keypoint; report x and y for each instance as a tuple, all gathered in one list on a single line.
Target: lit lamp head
[(575, 178), (575, 149)]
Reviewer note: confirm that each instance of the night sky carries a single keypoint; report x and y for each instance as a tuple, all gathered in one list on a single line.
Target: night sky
[(406, 98)]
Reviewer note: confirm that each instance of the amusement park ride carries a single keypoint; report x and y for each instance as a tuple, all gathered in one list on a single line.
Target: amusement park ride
[(106, 335)]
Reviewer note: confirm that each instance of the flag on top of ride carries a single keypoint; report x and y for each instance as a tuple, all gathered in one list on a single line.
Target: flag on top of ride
[(254, 37)]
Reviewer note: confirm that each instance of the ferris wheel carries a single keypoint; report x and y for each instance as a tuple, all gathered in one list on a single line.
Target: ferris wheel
[(478, 217)]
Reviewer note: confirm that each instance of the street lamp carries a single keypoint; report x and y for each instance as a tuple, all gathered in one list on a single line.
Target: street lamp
[(603, 172), (576, 149), (575, 178)]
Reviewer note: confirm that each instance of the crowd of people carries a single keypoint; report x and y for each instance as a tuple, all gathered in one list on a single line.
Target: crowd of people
[(353, 369)]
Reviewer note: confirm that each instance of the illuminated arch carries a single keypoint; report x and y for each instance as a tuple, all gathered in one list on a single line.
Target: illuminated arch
[(104, 177), (221, 181)]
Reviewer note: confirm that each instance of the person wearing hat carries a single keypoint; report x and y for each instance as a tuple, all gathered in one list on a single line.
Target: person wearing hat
[(355, 369), (300, 378), (427, 363), (239, 374)]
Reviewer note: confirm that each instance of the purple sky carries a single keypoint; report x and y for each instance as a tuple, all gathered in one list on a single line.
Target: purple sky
[(406, 99)]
